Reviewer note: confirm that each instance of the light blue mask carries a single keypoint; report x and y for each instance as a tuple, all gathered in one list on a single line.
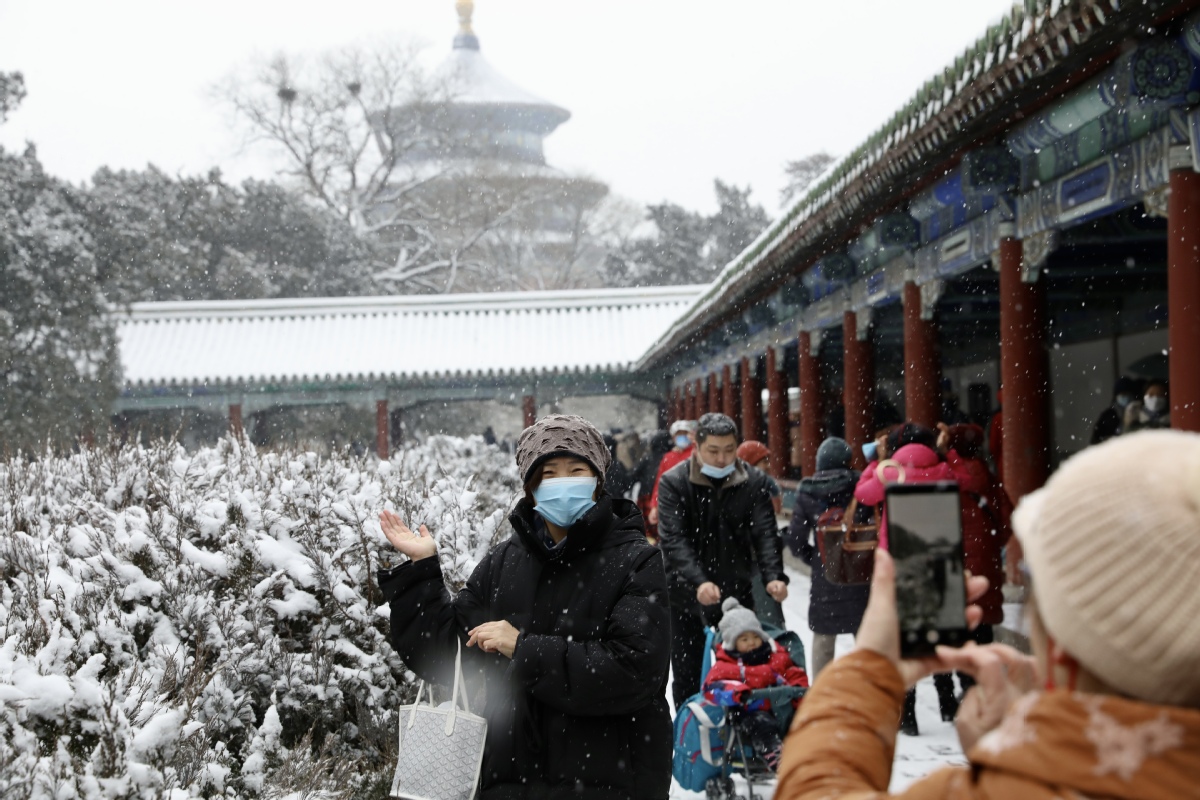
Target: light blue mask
[(870, 450), (717, 472), (682, 442), (564, 500)]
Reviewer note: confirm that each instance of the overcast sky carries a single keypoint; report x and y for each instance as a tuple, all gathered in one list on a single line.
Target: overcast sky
[(665, 94)]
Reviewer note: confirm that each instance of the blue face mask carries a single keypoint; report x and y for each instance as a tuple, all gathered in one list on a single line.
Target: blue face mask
[(717, 472), (870, 450), (682, 442), (564, 500)]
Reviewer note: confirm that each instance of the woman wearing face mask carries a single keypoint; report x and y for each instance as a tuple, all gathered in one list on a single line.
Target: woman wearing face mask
[(1154, 411), (566, 623)]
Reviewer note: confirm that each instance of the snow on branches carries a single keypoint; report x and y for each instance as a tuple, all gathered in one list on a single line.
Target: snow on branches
[(207, 624)]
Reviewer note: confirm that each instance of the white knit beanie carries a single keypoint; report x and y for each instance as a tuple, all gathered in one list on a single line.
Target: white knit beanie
[(738, 620), (1113, 545)]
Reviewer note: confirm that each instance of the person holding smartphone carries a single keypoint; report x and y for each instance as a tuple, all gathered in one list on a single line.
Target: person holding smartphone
[(914, 454), (1108, 705)]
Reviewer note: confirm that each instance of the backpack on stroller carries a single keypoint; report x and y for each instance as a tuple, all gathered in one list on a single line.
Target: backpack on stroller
[(712, 740)]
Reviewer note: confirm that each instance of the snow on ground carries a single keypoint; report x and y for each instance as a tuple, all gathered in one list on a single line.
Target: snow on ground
[(915, 756)]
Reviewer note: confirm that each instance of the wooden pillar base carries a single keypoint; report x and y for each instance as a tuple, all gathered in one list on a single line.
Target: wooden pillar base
[(750, 420), (236, 427), (777, 442), (382, 444), (529, 409), (1183, 298), (858, 388), (922, 367), (1024, 375), (810, 405)]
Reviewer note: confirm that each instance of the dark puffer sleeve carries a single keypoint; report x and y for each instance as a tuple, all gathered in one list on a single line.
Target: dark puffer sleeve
[(620, 672), (802, 528), (426, 622), (677, 547)]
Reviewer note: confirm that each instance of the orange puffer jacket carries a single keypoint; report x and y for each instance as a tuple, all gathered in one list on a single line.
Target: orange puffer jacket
[(1054, 744)]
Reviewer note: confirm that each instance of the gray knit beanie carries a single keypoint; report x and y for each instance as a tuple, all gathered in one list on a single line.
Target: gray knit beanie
[(562, 434), (833, 453), (738, 620), (1111, 542)]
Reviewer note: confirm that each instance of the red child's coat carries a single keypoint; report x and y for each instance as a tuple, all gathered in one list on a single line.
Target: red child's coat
[(779, 670)]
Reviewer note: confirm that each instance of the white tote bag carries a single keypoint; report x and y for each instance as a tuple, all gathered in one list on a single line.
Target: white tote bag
[(441, 749)]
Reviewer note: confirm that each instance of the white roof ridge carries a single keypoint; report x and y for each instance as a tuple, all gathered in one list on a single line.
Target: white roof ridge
[(479, 302)]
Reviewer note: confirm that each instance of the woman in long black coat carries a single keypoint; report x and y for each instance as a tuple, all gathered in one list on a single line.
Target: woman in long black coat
[(566, 624), (833, 609)]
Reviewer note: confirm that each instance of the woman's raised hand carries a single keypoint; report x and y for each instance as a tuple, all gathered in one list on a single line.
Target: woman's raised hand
[(416, 545)]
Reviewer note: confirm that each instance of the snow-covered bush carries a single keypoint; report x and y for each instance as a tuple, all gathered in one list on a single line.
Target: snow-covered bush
[(207, 624)]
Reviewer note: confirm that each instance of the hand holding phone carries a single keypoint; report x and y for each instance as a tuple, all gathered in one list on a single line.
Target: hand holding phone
[(880, 628), (925, 541)]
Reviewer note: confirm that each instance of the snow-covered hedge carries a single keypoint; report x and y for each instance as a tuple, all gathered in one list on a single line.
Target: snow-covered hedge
[(207, 624)]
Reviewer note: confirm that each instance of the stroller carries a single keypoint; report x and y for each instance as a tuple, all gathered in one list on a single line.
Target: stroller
[(711, 741)]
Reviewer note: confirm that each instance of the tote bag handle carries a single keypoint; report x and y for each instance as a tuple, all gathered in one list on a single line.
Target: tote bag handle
[(460, 690)]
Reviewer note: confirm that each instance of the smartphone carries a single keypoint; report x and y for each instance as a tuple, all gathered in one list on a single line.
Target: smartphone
[(924, 531)]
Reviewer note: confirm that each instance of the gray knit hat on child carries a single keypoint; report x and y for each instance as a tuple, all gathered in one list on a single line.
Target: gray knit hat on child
[(738, 620), (562, 434)]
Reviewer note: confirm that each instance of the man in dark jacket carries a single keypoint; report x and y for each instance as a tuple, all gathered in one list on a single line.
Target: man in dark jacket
[(833, 608), (715, 520), (572, 622)]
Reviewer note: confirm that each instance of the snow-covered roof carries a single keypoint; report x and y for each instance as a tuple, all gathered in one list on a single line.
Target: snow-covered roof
[(1005, 62), (393, 338), (475, 81)]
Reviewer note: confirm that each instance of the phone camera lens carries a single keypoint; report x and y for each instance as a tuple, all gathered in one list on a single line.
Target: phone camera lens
[(933, 636)]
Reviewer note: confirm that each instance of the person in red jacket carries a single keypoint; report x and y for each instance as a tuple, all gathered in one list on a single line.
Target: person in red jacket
[(683, 434), (914, 449), (916, 454), (746, 659)]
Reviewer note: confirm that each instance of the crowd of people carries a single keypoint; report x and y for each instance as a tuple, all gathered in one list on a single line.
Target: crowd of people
[(621, 562)]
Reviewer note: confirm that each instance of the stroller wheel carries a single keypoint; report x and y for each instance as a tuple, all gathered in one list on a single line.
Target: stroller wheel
[(720, 788)]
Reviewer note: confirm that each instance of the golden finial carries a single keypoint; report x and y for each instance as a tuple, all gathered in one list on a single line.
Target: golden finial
[(465, 9)]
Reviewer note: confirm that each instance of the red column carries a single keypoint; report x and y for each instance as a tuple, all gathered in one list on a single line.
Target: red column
[(235, 420), (382, 446), (1183, 298), (1025, 376), (922, 370), (810, 405), (777, 442), (701, 399), (677, 411), (728, 406), (751, 421), (529, 409), (858, 388), (714, 393)]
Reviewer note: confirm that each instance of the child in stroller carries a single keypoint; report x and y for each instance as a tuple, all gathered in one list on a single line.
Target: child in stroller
[(748, 661)]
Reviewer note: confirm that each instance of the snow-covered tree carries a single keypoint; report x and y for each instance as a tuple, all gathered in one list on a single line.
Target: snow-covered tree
[(208, 624), (686, 246), (199, 238), (58, 372), (800, 173), (12, 92)]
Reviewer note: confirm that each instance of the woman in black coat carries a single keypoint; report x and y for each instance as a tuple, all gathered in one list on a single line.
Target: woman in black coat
[(566, 624), (833, 608)]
